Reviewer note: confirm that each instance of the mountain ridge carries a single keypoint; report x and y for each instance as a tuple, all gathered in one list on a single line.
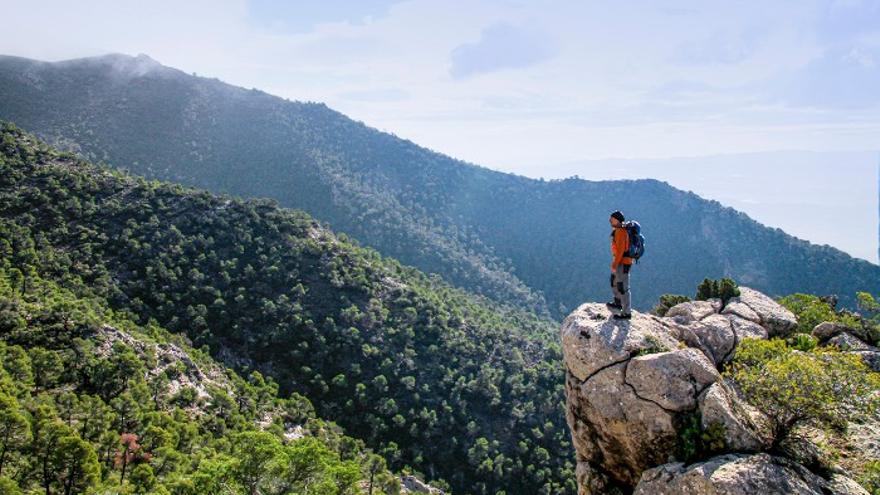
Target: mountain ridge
[(535, 244)]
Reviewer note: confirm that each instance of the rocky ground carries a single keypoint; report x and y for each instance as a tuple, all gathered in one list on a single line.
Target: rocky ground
[(633, 386)]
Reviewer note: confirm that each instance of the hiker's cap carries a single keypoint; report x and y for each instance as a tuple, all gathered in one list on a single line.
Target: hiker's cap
[(618, 215)]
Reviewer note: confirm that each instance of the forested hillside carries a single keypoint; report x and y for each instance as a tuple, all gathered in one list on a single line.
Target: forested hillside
[(450, 384), (90, 400), (540, 245)]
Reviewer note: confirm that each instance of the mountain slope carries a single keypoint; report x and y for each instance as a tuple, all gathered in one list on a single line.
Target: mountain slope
[(537, 244), (428, 375), (91, 401)]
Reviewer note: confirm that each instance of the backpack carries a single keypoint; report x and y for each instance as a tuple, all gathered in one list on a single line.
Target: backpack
[(636, 240)]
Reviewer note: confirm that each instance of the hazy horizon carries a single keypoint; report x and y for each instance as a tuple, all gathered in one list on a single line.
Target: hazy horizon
[(823, 197)]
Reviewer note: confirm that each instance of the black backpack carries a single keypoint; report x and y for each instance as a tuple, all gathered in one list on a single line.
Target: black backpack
[(636, 240)]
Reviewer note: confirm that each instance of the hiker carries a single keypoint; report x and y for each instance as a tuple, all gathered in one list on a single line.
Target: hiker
[(621, 264)]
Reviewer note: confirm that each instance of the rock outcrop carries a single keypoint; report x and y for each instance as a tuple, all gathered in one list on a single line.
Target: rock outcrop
[(741, 474), (411, 484), (633, 385), (848, 339)]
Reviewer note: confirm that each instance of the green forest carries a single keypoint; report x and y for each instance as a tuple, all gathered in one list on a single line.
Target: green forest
[(462, 390), (93, 402)]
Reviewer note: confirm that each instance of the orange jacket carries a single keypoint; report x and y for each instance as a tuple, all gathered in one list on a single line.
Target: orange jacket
[(619, 246)]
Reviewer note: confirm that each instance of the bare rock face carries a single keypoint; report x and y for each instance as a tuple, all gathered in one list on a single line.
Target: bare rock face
[(592, 340), (746, 429), (736, 307), (629, 385), (672, 380), (714, 335), (742, 474), (825, 330), (616, 433), (632, 385), (849, 340), (690, 311), (411, 484), (776, 319)]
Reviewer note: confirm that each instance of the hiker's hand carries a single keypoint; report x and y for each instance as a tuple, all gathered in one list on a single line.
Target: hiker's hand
[(612, 280)]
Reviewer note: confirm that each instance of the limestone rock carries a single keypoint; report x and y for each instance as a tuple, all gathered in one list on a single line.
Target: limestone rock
[(778, 320), (691, 311), (411, 484), (848, 342), (615, 431), (713, 335), (825, 330), (630, 386), (716, 303), (745, 428), (741, 474), (673, 380), (871, 358), (745, 329), (843, 485), (742, 310), (590, 481), (592, 340)]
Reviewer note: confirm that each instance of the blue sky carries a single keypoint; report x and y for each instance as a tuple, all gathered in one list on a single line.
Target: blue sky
[(530, 86)]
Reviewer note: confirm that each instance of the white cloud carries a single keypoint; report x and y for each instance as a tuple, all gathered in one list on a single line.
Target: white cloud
[(501, 46), (547, 80)]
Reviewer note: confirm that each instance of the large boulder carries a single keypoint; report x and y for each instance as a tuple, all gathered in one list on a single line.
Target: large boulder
[(740, 309), (849, 342), (617, 432), (746, 329), (631, 385), (742, 474), (827, 329), (690, 311), (871, 359), (714, 335), (762, 309), (592, 340), (411, 484), (745, 428), (672, 380)]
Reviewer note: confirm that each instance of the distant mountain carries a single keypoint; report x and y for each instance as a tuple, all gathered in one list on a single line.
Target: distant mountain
[(431, 377), (541, 245)]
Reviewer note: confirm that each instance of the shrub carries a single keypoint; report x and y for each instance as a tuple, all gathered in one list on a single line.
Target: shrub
[(870, 309), (724, 289), (695, 442), (870, 479), (812, 310), (803, 342), (823, 388)]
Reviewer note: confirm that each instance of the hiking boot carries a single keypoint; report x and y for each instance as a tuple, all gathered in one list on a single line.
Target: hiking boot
[(613, 305), (626, 316)]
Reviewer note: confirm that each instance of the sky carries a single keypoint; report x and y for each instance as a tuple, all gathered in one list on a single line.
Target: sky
[(548, 88)]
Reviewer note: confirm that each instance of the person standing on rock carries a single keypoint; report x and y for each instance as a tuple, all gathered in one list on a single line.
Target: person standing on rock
[(620, 268)]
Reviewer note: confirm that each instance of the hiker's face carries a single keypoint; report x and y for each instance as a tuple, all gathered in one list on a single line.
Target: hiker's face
[(613, 221)]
